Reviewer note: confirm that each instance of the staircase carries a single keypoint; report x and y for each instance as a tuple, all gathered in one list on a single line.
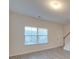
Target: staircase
[(66, 42)]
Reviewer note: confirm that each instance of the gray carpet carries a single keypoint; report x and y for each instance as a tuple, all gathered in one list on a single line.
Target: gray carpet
[(55, 53)]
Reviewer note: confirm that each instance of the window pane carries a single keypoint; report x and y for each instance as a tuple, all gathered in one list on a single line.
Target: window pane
[(42, 31), (34, 39), (27, 40), (27, 31), (42, 39), (34, 31)]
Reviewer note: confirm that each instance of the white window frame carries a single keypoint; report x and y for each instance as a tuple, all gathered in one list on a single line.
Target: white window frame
[(37, 36)]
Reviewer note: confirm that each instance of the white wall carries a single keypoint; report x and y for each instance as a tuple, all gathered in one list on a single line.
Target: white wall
[(17, 23), (67, 39)]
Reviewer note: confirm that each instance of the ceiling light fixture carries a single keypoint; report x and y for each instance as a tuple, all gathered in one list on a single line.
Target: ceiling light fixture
[(56, 4)]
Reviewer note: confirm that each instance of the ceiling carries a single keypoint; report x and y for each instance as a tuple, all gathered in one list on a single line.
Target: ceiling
[(41, 9)]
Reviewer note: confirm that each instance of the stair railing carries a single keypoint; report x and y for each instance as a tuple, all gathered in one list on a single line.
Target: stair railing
[(64, 38)]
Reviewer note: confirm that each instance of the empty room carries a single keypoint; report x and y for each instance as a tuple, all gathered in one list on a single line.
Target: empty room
[(39, 29)]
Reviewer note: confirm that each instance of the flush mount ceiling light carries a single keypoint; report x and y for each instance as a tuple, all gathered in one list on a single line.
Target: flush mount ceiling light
[(56, 5)]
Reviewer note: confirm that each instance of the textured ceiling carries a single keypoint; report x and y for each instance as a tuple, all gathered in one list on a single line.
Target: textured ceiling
[(41, 8)]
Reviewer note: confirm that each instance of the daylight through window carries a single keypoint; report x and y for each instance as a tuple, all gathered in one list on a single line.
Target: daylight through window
[(34, 35)]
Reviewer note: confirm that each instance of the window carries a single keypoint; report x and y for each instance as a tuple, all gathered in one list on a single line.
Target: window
[(34, 35)]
